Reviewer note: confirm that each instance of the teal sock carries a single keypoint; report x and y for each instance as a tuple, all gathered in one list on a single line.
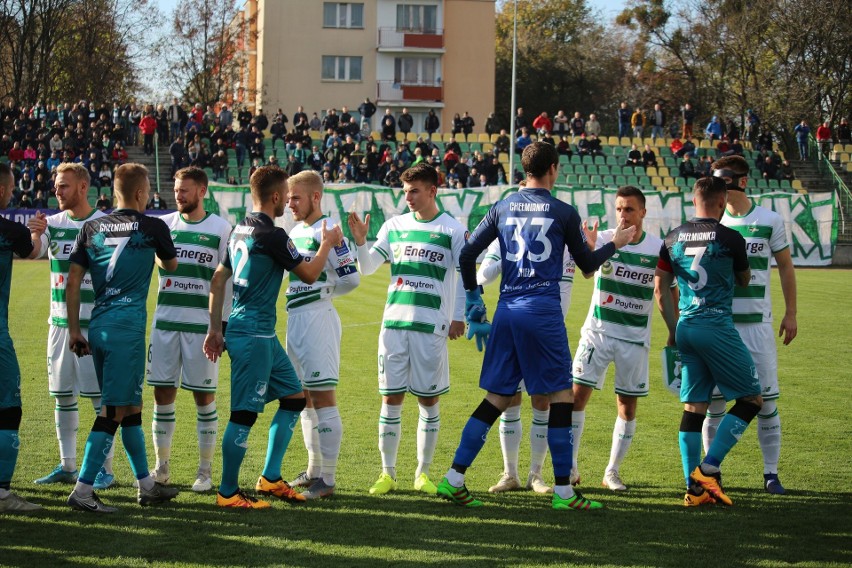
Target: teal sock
[(234, 446), (280, 432), (729, 433), (690, 452), (9, 443), (97, 447), (134, 446)]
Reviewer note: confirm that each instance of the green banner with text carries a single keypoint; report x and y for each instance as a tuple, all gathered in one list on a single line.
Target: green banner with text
[(810, 219)]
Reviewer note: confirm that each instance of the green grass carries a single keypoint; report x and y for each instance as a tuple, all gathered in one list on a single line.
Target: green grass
[(647, 526)]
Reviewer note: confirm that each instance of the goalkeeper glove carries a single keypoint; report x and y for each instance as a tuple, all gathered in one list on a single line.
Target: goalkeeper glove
[(474, 307), (481, 330)]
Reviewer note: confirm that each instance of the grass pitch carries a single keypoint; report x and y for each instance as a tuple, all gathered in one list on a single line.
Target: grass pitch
[(647, 526)]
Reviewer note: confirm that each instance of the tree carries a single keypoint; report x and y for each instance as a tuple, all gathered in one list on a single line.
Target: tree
[(566, 61), (204, 52)]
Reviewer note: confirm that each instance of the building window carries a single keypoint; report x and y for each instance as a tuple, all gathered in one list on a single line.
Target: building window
[(415, 70), (341, 68), (421, 18), (342, 15)]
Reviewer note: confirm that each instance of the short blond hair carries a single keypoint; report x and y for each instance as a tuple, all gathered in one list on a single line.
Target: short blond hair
[(129, 178), (78, 170), (308, 178)]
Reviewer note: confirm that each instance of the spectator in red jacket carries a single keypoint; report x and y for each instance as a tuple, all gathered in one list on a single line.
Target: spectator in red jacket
[(542, 123), (16, 154), (148, 126), (823, 136)]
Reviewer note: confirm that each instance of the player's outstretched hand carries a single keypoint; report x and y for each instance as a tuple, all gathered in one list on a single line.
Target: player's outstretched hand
[(214, 344), (334, 235), (591, 234), (474, 307), (78, 345), (481, 330), (789, 329), (623, 236), (359, 228), (456, 329), (37, 223)]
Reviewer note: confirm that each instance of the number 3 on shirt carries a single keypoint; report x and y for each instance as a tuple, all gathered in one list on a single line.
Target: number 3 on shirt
[(697, 253), (544, 224)]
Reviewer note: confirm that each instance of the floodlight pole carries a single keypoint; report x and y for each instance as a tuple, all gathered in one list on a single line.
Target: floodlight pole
[(513, 110)]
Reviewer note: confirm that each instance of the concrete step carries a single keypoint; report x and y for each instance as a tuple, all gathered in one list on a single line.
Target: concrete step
[(136, 154)]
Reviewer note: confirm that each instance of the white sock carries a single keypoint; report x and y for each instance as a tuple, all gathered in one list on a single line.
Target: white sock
[(67, 417), (715, 413), (564, 491), (769, 436), (146, 483), (311, 436), (163, 428), (390, 430), (96, 405), (538, 440), (330, 431), (83, 489), (455, 478), (578, 421), (207, 428), (622, 437), (511, 431), (428, 426), (4, 493)]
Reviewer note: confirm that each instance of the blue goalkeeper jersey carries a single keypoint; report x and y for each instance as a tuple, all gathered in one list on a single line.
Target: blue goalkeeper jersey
[(259, 253), (533, 229), (118, 250), (704, 254)]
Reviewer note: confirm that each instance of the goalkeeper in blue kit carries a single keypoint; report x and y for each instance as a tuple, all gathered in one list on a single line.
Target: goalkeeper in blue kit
[(527, 339)]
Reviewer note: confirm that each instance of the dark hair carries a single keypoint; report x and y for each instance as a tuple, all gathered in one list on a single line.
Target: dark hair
[(194, 174), (6, 175), (538, 157), (736, 164), (709, 188), (631, 191), (129, 178), (265, 181), (420, 172)]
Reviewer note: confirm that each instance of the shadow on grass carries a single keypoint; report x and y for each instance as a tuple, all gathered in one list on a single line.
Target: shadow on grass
[(645, 526)]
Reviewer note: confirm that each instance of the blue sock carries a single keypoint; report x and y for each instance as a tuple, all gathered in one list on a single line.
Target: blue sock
[(728, 434), (690, 452), (97, 447), (234, 446), (280, 432), (134, 447), (472, 439), (9, 443), (560, 441)]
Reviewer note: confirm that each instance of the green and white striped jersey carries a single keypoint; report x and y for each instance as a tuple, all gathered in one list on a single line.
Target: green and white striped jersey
[(183, 295), (57, 242), (425, 293), (623, 300), (765, 235), (339, 276)]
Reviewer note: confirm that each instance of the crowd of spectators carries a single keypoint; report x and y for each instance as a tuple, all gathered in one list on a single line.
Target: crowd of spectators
[(38, 138)]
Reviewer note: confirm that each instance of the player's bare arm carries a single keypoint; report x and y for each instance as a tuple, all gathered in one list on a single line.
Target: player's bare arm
[(665, 301), (308, 272), (76, 341), (789, 327), (37, 226), (214, 343), (742, 278), (169, 265)]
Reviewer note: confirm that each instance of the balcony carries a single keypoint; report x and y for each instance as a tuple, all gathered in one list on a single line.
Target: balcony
[(423, 40), (389, 91)]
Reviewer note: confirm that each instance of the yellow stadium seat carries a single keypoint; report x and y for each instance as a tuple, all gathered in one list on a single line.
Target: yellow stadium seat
[(656, 180), (446, 136), (705, 144), (482, 138), (797, 185), (613, 141), (487, 147), (669, 181), (374, 135), (494, 138), (651, 171), (663, 171)]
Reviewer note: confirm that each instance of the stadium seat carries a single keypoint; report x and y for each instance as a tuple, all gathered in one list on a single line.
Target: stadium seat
[(600, 160), (797, 185), (482, 138), (663, 171), (657, 180), (604, 170), (608, 181), (613, 141), (579, 169), (596, 180), (651, 171), (583, 180), (571, 179), (785, 185), (620, 180), (446, 136)]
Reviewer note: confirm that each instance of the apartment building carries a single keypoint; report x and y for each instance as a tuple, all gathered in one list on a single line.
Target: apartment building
[(414, 54)]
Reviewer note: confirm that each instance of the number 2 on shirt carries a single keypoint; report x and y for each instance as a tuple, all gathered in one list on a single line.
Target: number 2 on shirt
[(240, 262), (544, 224)]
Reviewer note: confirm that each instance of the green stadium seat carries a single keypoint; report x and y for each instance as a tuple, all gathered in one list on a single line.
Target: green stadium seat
[(583, 180), (575, 159), (616, 170), (52, 203), (603, 170), (563, 159), (596, 180), (632, 180), (785, 185), (600, 160), (591, 169), (620, 180), (579, 169), (609, 181), (571, 179)]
